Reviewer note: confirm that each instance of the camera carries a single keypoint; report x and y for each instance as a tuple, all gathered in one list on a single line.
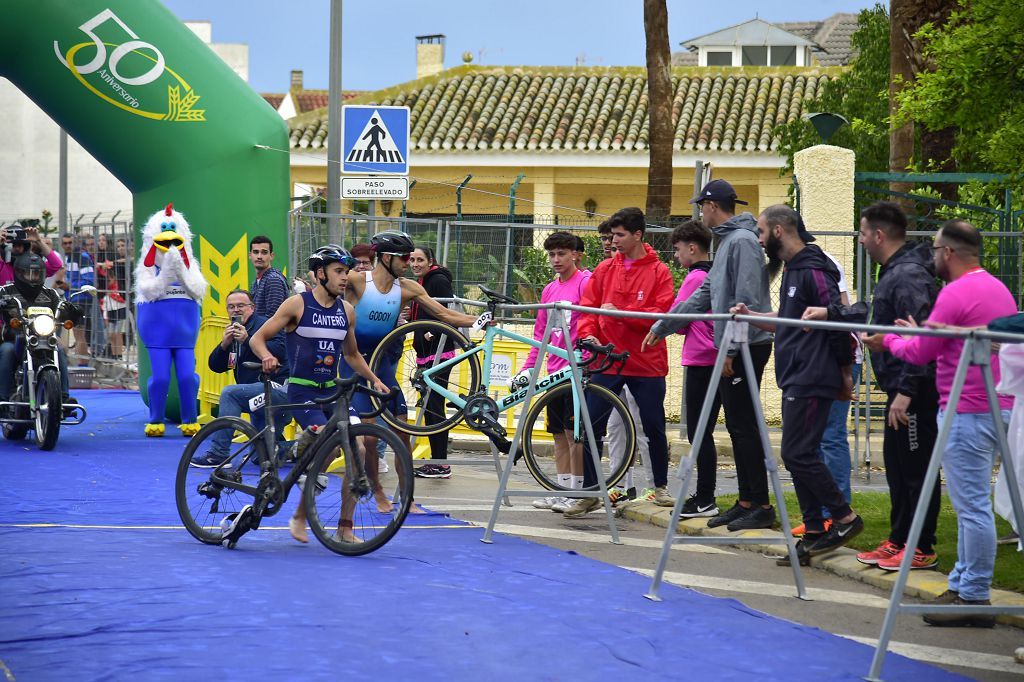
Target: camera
[(16, 233)]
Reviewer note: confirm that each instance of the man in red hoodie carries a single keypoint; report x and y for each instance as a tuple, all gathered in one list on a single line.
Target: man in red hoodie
[(636, 280)]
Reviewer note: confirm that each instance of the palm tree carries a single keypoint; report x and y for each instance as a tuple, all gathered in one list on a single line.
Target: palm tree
[(659, 98)]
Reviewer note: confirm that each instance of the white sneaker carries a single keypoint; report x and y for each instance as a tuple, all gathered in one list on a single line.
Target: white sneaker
[(382, 466), (545, 503), (561, 504)]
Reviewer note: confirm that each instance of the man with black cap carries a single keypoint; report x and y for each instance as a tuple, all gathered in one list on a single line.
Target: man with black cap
[(738, 275)]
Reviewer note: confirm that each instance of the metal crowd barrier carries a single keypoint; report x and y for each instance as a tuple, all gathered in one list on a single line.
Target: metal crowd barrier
[(976, 352)]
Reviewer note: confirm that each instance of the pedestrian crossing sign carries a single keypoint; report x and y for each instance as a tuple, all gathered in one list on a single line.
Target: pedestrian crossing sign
[(375, 140)]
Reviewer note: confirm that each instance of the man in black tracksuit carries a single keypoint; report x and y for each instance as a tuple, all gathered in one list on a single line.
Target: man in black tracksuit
[(906, 288), (809, 368)]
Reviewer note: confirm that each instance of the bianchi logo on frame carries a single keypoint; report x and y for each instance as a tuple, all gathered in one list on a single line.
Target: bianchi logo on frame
[(119, 71)]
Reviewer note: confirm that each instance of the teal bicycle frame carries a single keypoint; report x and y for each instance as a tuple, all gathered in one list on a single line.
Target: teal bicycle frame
[(545, 383)]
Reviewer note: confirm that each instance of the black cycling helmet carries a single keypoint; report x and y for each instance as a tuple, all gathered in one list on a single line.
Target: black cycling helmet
[(392, 242), (332, 253)]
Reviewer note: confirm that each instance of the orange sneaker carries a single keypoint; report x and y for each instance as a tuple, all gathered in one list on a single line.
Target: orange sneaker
[(801, 530), (920, 561), (886, 550)]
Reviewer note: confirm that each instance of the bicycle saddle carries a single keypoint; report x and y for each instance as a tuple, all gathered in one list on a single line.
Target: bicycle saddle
[(497, 297)]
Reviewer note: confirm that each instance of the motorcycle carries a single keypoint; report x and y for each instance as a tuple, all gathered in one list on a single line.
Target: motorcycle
[(37, 403)]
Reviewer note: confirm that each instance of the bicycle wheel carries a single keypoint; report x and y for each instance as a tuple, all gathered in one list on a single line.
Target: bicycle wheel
[(542, 458), (202, 503), (354, 524), (397, 355)]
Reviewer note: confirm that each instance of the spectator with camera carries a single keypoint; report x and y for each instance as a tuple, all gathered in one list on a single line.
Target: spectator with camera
[(21, 237), (246, 394)]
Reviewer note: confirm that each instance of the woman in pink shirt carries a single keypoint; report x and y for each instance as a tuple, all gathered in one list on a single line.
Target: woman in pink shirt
[(692, 242)]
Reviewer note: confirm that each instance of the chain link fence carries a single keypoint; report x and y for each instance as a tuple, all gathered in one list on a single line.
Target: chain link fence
[(103, 349)]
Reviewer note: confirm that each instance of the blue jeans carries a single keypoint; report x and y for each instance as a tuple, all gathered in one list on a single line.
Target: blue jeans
[(967, 462), (8, 360), (835, 443), (234, 400)]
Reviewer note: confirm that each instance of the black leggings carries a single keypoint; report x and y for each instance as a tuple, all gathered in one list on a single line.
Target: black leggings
[(696, 387), (434, 413)]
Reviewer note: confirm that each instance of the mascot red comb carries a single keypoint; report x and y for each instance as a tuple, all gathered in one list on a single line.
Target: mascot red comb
[(169, 288)]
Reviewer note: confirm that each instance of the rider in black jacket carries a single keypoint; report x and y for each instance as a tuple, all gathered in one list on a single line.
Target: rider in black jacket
[(29, 273)]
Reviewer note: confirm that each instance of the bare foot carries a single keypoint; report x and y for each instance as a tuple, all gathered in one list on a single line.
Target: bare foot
[(346, 535), (384, 505), (416, 509), (297, 527)]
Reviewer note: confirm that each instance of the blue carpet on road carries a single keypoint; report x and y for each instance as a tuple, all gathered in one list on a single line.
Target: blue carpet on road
[(133, 596)]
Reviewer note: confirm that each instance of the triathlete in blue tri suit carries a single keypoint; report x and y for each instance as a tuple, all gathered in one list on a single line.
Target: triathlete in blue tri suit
[(379, 296), (319, 326)]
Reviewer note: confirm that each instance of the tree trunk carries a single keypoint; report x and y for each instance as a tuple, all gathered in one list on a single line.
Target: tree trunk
[(901, 50), (907, 60), (659, 107)]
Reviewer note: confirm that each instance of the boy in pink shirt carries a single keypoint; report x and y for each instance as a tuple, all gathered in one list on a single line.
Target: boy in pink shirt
[(971, 298), (568, 285), (692, 242)]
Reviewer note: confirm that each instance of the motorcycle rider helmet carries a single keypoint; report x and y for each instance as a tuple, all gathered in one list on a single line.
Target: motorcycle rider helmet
[(29, 274)]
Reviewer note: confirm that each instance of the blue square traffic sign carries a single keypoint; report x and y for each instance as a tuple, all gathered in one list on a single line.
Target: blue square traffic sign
[(375, 139)]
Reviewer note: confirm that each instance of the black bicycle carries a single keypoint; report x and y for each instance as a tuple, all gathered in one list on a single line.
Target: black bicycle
[(345, 493)]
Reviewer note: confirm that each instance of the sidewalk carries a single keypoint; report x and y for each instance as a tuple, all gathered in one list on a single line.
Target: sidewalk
[(924, 585)]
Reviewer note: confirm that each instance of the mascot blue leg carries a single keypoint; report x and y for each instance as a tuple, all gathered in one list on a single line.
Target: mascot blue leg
[(159, 383), (188, 388)]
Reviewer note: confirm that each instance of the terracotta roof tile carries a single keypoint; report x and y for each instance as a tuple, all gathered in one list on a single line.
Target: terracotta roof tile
[(547, 109), (274, 99)]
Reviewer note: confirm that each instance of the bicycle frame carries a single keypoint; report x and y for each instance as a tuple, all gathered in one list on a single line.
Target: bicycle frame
[(515, 397), (338, 421)]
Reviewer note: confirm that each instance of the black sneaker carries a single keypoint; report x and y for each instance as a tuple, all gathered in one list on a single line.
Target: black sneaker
[(693, 509), (728, 516), (208, 461), (802, 555), (433, 471), (837, 536), (757, 517)]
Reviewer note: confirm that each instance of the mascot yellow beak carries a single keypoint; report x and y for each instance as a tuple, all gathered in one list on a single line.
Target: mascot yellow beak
[(167, 240)]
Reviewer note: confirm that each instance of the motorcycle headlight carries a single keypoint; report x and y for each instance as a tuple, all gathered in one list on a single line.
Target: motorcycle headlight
[(43, 325)]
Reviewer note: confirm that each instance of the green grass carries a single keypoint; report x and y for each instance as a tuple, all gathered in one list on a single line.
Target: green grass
[(873, 507)]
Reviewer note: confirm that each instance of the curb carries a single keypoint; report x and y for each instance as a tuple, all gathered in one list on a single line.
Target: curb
[(924, 585)]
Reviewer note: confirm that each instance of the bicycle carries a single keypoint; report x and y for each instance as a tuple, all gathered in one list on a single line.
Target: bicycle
[(448, 363), (218, 506)]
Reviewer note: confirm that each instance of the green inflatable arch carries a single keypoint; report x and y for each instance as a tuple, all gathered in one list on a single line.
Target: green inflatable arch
[(163, 113)]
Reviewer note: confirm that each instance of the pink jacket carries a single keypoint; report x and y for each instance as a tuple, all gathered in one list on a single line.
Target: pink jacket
[(699, 347), (52, 261)]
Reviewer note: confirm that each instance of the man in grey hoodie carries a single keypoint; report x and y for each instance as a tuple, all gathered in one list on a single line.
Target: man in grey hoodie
[(738, 274)]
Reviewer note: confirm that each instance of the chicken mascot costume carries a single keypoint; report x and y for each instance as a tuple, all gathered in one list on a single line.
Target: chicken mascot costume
[(169, 289)]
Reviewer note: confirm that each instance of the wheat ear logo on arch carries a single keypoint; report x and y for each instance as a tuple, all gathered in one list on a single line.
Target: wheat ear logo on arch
[(128, 72)]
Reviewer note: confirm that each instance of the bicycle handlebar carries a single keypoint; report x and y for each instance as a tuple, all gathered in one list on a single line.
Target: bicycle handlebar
[(606, 354), (343, 385)]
